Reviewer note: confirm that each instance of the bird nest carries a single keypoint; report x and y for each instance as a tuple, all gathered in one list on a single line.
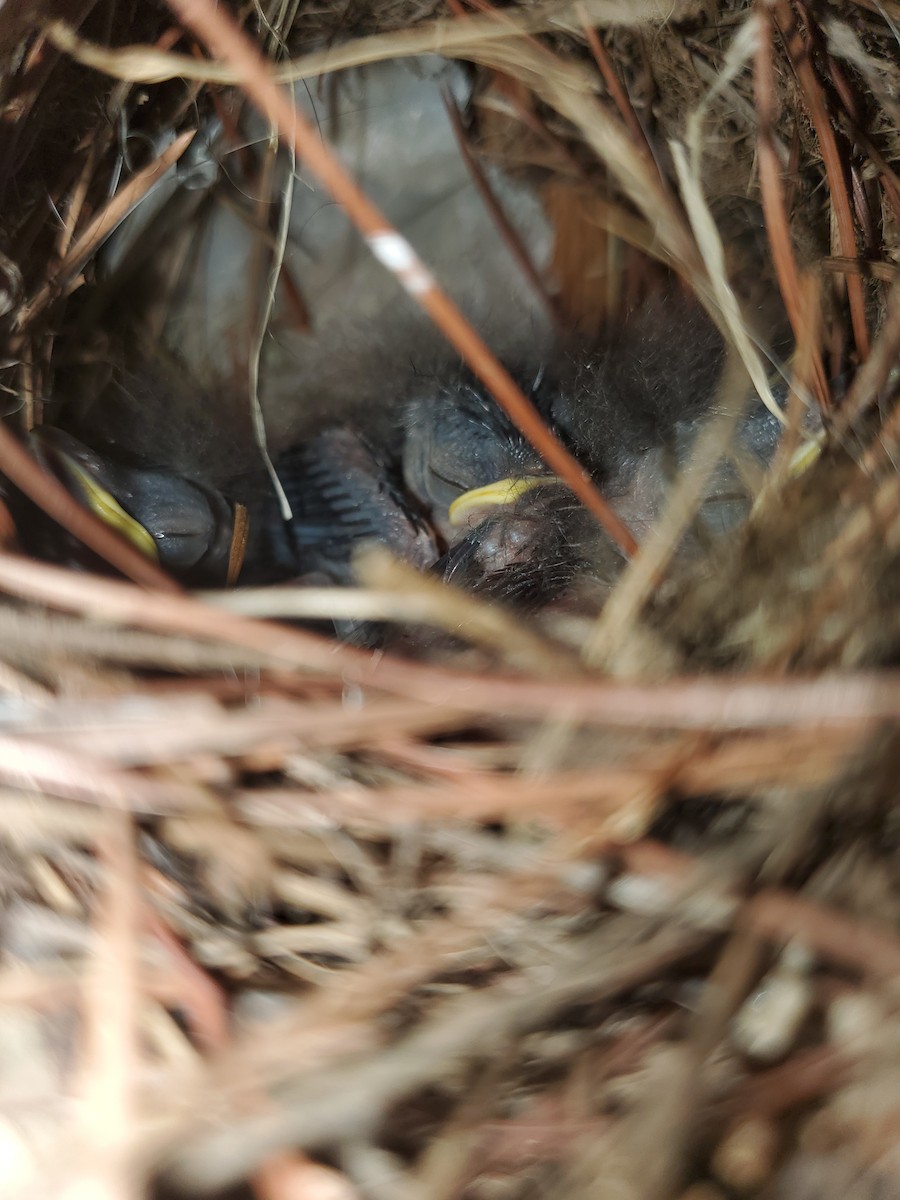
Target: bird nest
[(595, 902)]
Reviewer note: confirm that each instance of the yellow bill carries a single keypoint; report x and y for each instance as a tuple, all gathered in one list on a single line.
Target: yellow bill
[(492, 495), (105, 506)]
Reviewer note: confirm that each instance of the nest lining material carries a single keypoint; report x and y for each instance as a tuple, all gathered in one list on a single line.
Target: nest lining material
[(280, 911)]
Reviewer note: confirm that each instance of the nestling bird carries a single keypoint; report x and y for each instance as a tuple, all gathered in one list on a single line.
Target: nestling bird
[(453, 486), (376, 431)]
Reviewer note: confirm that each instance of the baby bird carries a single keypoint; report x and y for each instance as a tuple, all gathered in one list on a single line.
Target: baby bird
[(376, 431), (450, 484)]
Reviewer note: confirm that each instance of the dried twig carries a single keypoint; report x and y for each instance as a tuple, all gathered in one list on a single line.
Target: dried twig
[(781, 916), (693, 703), (345, 1100), (110, 1061), (100, 228), (814, 96), (774, 206), (146, 64)]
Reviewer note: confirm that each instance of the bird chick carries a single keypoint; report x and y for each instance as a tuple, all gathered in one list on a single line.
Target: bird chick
[(629, 410), (451, 485)]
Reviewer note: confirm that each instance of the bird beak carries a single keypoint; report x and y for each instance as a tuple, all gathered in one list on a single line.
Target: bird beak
[(94, 496), (468, 509)]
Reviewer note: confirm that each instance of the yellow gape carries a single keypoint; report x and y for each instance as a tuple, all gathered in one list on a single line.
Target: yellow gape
[(108, 509), (504, 491)]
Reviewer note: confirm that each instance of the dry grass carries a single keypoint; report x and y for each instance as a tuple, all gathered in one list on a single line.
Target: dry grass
[(584, 907)]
